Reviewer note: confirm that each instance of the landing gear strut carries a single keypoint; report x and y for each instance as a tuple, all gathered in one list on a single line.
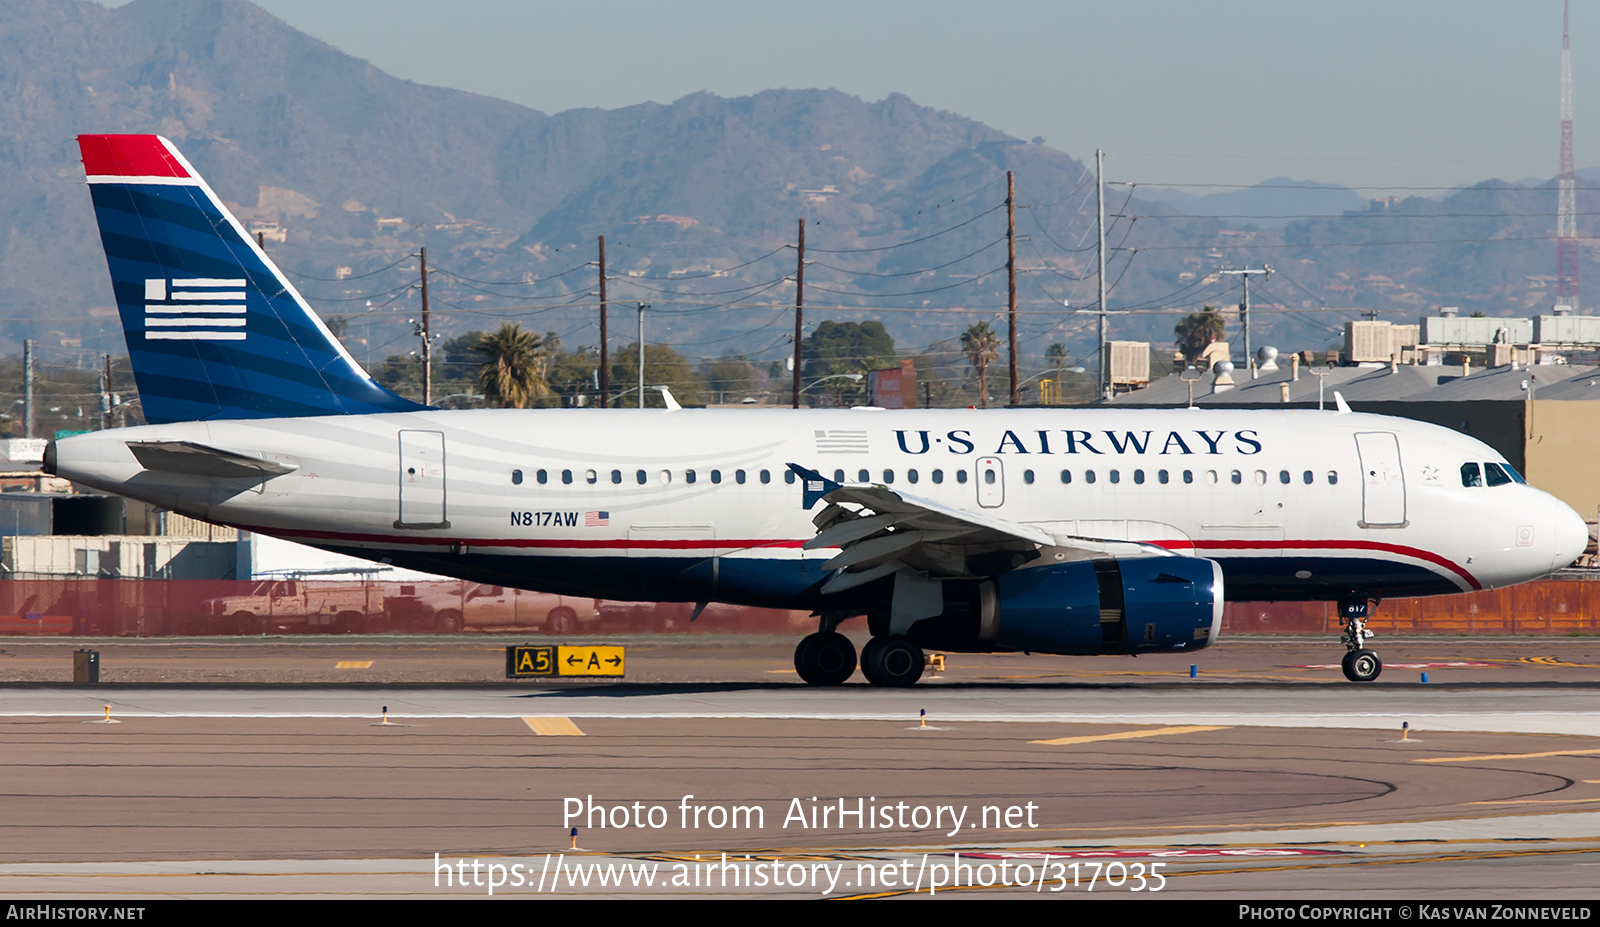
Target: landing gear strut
[(1359, 663)]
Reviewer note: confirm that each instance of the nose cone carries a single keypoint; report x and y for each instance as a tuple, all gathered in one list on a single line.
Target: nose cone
[(1571, 536)]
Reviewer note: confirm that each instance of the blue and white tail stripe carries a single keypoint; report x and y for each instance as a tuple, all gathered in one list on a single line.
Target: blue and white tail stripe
[(214, 330)]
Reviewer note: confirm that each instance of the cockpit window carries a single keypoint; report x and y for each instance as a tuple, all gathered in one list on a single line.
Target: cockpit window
[(1470, 476), (1512, 472), (1494, 475)]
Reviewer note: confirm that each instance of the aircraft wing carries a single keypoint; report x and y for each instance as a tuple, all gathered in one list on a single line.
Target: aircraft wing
[(880, 530)]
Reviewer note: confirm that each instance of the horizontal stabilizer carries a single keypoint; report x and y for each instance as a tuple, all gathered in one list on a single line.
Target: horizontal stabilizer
[(199, 460)]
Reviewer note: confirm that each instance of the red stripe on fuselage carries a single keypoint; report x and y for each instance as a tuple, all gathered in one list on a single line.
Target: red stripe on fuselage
[(1400, 549), (748, 543)]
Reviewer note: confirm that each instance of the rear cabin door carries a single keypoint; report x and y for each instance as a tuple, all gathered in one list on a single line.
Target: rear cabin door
[(422, 486), (1383, 483)]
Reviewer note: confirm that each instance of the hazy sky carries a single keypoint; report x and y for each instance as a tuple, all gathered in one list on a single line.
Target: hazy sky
[(1229, 92)]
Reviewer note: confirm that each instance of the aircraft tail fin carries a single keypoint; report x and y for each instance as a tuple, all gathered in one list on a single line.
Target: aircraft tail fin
[(214, 330)]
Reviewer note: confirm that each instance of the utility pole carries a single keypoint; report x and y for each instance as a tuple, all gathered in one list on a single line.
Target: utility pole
[(1011, 280), (105, 396), (427, 339), (27, 388), (1100, 274), (605, 347), (642, 308), (1244, 310), (799, 304)]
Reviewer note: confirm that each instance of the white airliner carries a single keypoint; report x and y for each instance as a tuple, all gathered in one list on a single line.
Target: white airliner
[(1084, 531)]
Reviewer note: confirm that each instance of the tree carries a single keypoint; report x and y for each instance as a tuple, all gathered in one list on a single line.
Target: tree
[(663, 366), (981, 346), (512, 373), (1198, 330), (839, 348)]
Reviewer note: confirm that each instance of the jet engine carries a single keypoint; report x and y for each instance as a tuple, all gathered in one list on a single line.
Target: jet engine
[(1134, 605)]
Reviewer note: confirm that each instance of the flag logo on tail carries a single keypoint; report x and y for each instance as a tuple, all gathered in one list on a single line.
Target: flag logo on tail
[(194, 309)]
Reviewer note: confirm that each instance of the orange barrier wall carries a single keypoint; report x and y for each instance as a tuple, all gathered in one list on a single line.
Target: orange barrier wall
[(1550, 606), (155, 608)]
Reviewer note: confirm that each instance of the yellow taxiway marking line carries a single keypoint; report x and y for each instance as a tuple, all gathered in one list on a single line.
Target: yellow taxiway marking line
[(353, 664), (553, 727), (1506, 756), (1131, 735)]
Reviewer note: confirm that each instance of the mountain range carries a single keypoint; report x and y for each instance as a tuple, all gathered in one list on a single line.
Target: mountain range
[(347, 172)]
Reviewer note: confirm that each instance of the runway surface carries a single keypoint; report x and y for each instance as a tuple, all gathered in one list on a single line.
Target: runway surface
[(1262, 778)]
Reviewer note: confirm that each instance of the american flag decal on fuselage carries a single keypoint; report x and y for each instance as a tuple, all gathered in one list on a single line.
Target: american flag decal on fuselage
[(596, 519), (194, 309)]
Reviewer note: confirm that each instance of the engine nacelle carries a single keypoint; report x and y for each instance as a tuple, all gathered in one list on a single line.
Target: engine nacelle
[(1136, 605)]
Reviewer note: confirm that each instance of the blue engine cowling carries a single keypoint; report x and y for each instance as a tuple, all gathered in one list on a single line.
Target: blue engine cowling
[(1136, 605)]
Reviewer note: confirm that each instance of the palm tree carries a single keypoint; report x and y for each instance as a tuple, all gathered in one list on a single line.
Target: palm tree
[(981, 345), (512, 374), (1199, 329), (1057, 355)]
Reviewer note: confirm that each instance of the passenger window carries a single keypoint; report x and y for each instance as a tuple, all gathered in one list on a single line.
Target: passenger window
[(1261, 477), (1333, 478), (516, 477), (838, 476), (1116, 476), (988, 477), (864, 476), (938, 476), (688, 476), (1188, 476), (1211, 477), (543, 476), (738, 477), (1284, 477), (766, 476), (1066, 476), (1138, 477), (1308, 477), (616, 476), (716, 476), (1470, 476), (1161, 477), (911, 476), (888, 476), (666, 477), (591, 476), (1027, 477), (566, 476), (1237, 477), (1088, 476), (788, 477), (961, 477), (642, 477), (1494, 476)]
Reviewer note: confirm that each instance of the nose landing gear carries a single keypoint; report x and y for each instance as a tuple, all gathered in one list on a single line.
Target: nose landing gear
[(1359, 663)]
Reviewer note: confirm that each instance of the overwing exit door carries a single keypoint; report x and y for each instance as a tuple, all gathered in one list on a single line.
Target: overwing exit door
[(991, 482)]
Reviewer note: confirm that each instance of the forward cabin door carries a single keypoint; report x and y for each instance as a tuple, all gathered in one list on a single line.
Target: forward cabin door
[(422, 487), (1383, 483)]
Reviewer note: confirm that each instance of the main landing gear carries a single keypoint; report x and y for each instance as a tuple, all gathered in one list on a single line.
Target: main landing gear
[(827, 658), (1359, 663)]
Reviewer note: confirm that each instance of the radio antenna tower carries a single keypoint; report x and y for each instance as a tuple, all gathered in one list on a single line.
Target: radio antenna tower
[(1567, 209)]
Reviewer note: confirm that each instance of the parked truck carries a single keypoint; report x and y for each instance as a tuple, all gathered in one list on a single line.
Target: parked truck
[(452, 607), (292, 606)]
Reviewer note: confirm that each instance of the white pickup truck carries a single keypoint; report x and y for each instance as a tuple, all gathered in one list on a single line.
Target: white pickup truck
[(456, 606)]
